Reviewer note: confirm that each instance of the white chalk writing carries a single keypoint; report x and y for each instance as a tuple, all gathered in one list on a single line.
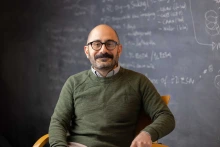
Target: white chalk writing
[(217, 81), (212, 27), (217, 1), (80, 10), (140, 42), (160, 55), (177, 80), (138, 33), (137, 65)]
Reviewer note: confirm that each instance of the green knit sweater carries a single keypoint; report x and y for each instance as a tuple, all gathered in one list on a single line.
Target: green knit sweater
[(103, 112)]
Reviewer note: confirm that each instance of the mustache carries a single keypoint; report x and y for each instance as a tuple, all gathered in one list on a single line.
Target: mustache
[(106, 55)]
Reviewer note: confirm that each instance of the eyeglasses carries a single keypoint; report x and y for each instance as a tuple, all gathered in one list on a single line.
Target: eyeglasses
[(97, 45)]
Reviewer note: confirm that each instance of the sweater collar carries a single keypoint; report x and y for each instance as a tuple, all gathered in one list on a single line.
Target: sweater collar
[(111, 73), (106, 79)]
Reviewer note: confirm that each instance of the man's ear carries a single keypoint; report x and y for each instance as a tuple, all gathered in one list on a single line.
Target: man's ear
[(86, 50), (119, 49)]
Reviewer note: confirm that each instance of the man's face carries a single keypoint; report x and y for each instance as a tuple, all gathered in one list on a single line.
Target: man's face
[(103, 59)]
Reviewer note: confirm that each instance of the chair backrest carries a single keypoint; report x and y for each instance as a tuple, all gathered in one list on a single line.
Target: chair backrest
[(144, 119), (42, 141)]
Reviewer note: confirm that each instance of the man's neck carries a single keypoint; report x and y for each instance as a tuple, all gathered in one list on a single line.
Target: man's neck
[(104, 72)]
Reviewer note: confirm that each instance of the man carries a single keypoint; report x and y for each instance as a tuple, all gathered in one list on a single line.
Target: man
[(103, 103)]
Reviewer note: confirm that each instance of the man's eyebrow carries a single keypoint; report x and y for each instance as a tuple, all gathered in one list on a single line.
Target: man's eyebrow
[(96, 40), (101, 41), (110, 40)]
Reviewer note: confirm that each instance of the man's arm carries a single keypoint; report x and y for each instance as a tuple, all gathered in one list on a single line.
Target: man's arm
[(60, 120), (163, 125), (162, 117)]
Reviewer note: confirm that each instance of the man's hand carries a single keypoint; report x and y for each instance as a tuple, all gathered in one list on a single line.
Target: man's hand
[(143, 139)]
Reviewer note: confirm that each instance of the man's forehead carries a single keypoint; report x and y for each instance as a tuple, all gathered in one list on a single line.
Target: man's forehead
[(103, 33)]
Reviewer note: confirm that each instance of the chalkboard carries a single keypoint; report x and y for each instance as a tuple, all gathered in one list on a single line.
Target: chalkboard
[(175, 43)]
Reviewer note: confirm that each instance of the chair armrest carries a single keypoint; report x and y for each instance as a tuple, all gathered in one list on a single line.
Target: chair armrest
[(42, 141), (158, 145)]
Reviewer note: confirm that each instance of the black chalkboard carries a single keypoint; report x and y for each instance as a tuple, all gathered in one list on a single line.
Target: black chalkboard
[(175, 43)]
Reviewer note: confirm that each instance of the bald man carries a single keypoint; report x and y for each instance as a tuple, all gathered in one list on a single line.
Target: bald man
[(100, 107)]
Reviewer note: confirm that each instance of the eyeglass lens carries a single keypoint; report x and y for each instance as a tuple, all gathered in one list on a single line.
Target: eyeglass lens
[(97, 45)]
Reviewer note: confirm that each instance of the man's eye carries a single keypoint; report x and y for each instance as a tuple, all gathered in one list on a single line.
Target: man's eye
[(110, 43), (96, 43)]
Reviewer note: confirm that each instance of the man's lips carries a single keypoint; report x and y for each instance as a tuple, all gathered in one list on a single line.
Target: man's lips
[(104, 58)]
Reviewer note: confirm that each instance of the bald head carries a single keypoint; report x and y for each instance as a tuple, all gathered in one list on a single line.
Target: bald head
[(103, 32)]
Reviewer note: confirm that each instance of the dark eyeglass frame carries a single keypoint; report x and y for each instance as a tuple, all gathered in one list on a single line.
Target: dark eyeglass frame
[(90, 43)]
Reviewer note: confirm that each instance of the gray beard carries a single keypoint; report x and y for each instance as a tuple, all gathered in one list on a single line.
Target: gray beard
[(105, 66)]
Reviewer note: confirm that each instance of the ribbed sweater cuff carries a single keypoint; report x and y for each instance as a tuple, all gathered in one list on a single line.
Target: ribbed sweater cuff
[(153, 133)]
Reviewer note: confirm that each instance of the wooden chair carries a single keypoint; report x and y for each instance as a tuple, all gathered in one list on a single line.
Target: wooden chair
[(144, 120), (42, 141), (159, 145)]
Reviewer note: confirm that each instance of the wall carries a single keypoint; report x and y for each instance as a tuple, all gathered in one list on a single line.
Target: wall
[(173, 42)]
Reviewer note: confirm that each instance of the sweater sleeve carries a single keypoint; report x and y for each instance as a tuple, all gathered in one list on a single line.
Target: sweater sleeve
[(60, 120), (163, 119)]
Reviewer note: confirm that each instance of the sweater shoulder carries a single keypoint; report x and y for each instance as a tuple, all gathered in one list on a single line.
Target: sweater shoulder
[(133, 74), (78, 78), (137, 80), (81, 74)]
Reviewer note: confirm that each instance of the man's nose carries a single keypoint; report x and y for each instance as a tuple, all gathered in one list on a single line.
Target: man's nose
[(103, 49)]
